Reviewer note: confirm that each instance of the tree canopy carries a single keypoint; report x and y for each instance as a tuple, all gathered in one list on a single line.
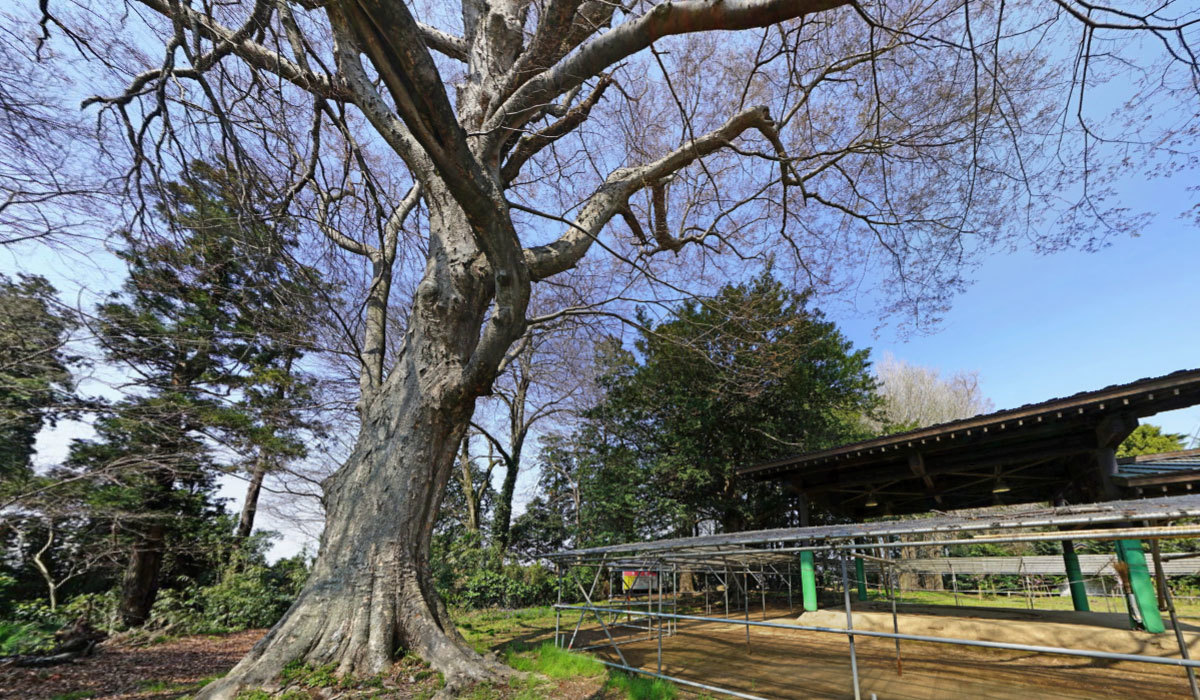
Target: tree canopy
[(917, 397), (1148, 439), (750, 374), (206, 326), (35, 380), (458, 161)]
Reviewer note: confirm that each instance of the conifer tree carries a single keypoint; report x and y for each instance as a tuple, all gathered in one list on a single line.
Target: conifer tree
[(205, 329)]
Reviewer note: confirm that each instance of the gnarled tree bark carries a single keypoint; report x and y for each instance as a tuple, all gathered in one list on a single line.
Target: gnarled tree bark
[(370, 592)]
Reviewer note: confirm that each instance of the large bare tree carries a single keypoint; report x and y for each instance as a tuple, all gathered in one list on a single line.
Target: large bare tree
[(457, 157)]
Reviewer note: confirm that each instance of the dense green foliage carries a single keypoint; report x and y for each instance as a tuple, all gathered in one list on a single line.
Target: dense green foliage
[(206, 335), (34, 375), (230, 589), (748, 375), (471, 575), (204, 325), (1148, 439)]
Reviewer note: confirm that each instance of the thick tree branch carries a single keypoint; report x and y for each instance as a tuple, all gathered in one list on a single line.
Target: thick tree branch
[(324, 199), (251, 51), (387, 33), (531, 144), (612, 198), (443, 42), (367, 98), (667, 19)]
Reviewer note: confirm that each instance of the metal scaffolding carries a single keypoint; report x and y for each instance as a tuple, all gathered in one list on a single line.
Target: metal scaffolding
[(772, 558)]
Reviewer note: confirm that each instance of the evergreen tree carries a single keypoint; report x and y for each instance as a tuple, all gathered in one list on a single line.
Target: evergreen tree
[(1148, 439), (205, 327), (34, 376), (749, 375)]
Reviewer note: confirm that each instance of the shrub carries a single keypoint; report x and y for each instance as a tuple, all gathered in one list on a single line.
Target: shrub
[(7, 583), (36, 612), (100, 609), (255, 597), (25, 638), (241, 598), (512, 586)]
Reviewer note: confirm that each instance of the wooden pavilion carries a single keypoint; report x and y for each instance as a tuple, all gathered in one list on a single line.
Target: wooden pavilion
[(1060, 450)]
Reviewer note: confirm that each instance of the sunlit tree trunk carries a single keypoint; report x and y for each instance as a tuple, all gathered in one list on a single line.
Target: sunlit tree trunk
[(371, 591), (250, 505)]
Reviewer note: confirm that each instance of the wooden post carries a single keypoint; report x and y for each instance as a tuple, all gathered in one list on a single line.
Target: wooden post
[(789, 583), (660, 620), (557, 610), (746, 598), (860, 577), (1160, 578), (726, 587)]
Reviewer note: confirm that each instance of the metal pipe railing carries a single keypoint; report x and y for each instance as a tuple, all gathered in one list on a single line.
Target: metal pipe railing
[(1063, 651), (1087, 518), (682, 681), (1142, 533)]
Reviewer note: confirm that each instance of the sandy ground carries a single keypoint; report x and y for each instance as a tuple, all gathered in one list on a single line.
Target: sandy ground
[(780, 663)]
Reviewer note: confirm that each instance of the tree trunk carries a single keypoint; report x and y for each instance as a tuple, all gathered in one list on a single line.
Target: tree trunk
[(517, 432), (503, 519), (44, 569), (139, 586), (250, 507), (468, 487), (371, 592)]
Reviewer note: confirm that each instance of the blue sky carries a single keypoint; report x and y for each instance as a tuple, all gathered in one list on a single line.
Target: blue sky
[(1042, 326)]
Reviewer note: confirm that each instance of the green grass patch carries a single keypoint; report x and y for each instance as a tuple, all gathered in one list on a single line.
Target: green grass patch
[(209, 679), (524, 640), (498, 625), (553, 662), (637, 687), (299, 673)]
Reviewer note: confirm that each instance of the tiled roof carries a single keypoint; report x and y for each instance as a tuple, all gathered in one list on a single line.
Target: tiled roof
[(1139, 398)]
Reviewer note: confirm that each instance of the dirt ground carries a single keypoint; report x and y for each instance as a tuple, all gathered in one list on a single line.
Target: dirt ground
[(178, 668), (777, 663), (157, 672), (780, 663)]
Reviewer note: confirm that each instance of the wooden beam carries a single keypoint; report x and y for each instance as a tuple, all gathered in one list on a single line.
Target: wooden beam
[(1106, 470), (916, 463), (1140, 398), (1113, 429)]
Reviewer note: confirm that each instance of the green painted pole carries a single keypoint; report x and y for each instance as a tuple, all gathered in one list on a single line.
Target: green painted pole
[(808, 581), (860, 576), (1130, 551), (1075, 577)]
